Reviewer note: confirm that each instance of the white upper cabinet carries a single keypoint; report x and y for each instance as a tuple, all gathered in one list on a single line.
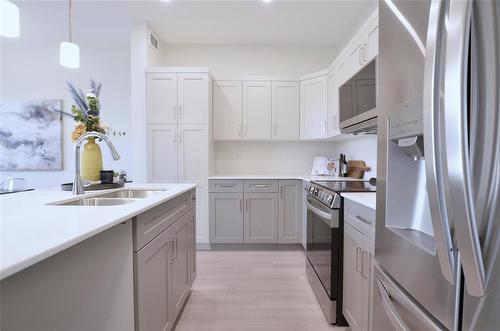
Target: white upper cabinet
[(333, 126), (371, 50), (227, 113), (193, 152), (285, 111), (193, 91), (256, 110), (161, 98), (162, 152), (364, 46), (313, 108)]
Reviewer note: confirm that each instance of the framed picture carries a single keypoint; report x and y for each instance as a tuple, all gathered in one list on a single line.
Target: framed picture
[(31, 135)]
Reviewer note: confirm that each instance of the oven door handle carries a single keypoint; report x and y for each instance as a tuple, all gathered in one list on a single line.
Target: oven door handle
[(320, 213)]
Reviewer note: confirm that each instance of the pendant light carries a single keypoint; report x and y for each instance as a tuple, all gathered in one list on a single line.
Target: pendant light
[(69, 53), (9, 19)]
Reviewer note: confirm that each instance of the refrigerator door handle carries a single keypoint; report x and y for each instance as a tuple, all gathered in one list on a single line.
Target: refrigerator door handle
[(389, 308), (457, 147), (434, 164)]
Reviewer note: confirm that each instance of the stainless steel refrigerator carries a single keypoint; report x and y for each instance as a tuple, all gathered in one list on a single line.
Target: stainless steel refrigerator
[(437, 247)]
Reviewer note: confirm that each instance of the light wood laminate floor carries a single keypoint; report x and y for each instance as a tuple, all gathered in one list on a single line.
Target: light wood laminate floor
[(252, 291)]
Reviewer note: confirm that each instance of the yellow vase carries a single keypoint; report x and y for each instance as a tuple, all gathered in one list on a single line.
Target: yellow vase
[(91, 165)]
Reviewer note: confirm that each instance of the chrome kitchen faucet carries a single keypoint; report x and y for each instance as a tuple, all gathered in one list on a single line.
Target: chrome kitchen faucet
[(77, 183)]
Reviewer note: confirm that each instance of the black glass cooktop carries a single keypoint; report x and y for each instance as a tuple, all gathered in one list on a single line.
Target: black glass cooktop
[(347, 186)]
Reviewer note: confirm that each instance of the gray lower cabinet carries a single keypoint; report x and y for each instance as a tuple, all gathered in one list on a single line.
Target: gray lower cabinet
[(261, 218), (260, 211), (290, 212), (226, 218), (164, 270), (152, 271)]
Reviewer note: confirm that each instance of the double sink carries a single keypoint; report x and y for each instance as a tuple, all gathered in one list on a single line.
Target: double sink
[(115, 198)]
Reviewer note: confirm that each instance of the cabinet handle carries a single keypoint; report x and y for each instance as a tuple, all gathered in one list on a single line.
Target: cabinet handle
[(171, 243), (281, 192), (180, 111), (324, 127), (180, 136), (364, 256), (261, 185), (335, 122), (364, 52), (246, 204), (226, 185), (175, 136), (174, 112), (241, 204), (245, 132), (357, 258), (175, 248), (275, 130), (364, 220), (360, 54)]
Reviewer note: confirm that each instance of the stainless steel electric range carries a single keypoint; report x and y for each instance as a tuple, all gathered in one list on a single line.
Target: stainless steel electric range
[(324, 249)]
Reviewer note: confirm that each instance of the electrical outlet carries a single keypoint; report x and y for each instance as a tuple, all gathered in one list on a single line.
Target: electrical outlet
[(239, 156)]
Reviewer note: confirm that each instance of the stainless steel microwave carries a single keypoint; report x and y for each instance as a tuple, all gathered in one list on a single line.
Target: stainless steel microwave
[(358, 102)]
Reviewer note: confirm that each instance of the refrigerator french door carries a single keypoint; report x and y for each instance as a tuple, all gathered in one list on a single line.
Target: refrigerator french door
[(438, 199)]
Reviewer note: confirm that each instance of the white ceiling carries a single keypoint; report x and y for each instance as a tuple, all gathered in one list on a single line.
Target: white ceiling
[(279, 22), (254, 22)]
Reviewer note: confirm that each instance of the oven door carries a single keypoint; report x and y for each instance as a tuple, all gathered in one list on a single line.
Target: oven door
[(321, 234)]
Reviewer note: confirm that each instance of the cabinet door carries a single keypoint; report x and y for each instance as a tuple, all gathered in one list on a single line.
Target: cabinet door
[(313, 109), (180, 275), (192, 249), (286, 111), (193, 153), (162, 153), (161, 98), (371, 49), (261, 218), (367, 273), (193, 98), (342, 70), (226, 218), (257, 110), (333, 128), (290, 211), (353, 281), (356, 58), (152, 285), (202, 228), (227, 102)]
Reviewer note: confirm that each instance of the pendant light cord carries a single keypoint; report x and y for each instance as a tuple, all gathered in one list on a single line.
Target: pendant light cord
[(70, 23)]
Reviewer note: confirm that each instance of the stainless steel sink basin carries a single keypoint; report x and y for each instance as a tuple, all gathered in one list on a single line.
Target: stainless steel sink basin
[(129, 194), (97, 202)]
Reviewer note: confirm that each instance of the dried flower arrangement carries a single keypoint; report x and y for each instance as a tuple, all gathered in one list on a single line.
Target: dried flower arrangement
[(85, 111)]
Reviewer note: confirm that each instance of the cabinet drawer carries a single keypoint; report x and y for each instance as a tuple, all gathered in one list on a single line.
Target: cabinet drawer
[(151, 223), (261, 185), (226, 185), (360, 217)]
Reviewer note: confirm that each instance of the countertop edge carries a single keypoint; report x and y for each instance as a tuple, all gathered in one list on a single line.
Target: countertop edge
[(367, 199)]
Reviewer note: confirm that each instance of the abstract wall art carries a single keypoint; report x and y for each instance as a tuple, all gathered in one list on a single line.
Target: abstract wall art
[(31, 135)]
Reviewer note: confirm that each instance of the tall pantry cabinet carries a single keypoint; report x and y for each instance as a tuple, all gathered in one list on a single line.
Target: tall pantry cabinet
[(177, 126)]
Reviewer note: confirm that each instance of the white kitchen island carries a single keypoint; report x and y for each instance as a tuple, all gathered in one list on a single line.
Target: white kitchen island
[(88, 267)]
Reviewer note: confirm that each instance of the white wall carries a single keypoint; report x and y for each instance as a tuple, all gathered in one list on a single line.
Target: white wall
[(360, 148), (250, 60), (269, 158), (142, 56), (30, 69)]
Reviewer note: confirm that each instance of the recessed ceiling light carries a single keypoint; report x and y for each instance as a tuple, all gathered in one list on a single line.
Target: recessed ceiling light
[(267, 0)]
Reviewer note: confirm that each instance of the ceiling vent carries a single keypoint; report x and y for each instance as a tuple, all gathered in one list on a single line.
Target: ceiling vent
[(154, 42)]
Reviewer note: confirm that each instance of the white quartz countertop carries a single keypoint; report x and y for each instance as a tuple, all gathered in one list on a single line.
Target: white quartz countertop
[(367, 199), (31, 230), (299, 177)]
